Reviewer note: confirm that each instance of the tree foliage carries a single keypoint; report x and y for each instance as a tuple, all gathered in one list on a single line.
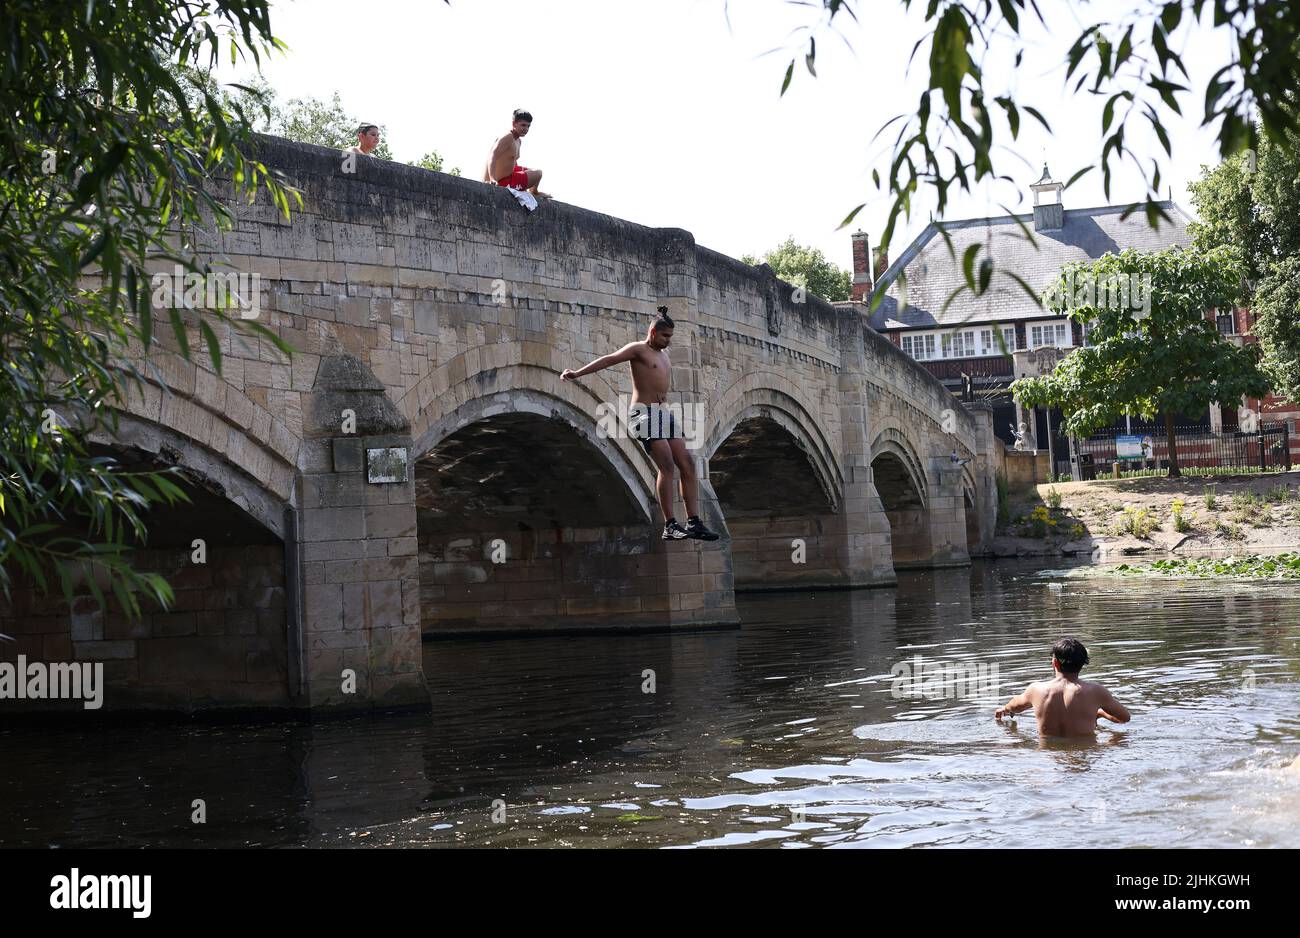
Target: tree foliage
[(1151, 348), (324, 123), (806, 268), (433, 160), (1277, 323), (962, 125), (312, 120), (1252, 202), (105, 153)]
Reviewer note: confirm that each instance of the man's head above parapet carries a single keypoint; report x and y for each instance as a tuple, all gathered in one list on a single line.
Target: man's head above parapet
[(367, 137), (520, 121)]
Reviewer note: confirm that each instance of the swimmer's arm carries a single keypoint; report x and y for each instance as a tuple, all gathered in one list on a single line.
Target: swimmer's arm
[(1111, 709), (626, 353), (1015, 705)]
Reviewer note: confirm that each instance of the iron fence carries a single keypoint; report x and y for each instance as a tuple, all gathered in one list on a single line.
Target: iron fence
[(1266, 449)]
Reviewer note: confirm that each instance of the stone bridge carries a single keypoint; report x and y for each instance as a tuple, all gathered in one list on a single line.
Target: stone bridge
[(431, 314)]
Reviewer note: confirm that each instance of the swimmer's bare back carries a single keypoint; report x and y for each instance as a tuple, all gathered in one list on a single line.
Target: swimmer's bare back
[(1066, 708), (504, 158)]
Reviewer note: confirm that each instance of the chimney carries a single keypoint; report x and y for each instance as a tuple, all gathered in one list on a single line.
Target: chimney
[(882, 263), (1049, 210), (862, 279)]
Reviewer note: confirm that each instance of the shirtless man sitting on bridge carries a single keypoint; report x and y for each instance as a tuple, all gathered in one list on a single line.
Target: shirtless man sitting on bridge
[(503, 167), (1065, 705), (657, 428)]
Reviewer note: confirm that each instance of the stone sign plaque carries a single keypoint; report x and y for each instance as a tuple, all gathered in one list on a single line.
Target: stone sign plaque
[(388, 464), (1032, 363)]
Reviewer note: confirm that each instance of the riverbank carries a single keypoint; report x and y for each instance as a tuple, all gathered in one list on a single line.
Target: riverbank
[(1107, 518)]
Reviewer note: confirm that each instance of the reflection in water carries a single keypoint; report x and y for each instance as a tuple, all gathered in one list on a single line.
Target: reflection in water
[(785, 733)]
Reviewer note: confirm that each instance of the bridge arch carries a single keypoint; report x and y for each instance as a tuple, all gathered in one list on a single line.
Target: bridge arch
[(902, 486), (891, 440), (527, 516), (779, 487), (786, 405), (224, 639), (235, 474)]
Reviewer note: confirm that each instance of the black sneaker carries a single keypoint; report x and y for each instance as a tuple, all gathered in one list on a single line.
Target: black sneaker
[(697, 530), (674, 531)]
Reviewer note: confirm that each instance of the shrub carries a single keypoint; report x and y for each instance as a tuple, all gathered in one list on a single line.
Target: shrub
[(1139, 522), (1053, 499), (1040, 522)]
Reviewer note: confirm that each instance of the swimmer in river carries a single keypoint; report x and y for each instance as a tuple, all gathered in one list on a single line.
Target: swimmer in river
[(658, 429), (1065, 705)]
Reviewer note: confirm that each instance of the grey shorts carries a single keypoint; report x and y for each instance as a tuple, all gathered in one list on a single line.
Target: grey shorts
[(657, 423)]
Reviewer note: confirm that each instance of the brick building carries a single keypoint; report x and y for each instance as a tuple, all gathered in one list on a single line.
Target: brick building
[(970, 343)]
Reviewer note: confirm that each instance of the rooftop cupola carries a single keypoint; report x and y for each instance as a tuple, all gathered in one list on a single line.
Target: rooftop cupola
[(1049, 212)]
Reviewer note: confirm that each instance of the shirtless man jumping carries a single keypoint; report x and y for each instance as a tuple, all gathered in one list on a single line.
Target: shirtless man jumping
[(503, 164), (658, 431), (1065, 705)]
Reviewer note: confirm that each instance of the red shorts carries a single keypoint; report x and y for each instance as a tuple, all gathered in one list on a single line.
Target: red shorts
[(516, 180)]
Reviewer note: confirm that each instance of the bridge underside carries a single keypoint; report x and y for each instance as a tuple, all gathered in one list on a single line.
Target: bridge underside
[(524, 526), (909, 521), (221, 643), (785, 532)]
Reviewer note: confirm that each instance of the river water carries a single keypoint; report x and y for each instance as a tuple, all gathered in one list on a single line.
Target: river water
[(798, 730)]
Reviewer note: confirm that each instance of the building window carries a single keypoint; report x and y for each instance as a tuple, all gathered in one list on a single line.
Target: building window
[(920, 347), (1048, 333), (958, 344), (1227, 323), (1088, 328), (1000, 340)]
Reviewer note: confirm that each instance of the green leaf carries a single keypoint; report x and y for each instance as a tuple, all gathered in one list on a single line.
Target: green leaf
[(1033, 112), (968, 263), (214, 347), (851, 215)]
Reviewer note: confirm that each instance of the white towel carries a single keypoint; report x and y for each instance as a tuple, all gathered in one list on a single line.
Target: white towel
[(526, 198)]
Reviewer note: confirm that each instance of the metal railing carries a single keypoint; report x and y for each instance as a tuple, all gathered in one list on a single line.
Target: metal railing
[(1268, 448)]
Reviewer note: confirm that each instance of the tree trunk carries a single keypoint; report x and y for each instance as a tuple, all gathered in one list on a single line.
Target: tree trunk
[(1172, 439)]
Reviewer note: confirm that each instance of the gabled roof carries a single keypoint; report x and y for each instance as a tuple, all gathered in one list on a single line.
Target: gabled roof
[(933, 274)]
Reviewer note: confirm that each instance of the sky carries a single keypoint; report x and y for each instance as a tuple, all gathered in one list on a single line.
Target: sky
[(668, 113)]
